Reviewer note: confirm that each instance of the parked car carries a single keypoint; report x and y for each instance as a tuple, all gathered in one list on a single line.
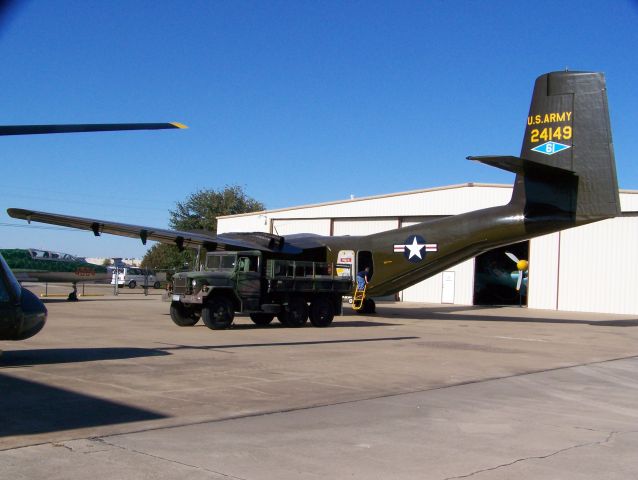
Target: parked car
[(133, 276)]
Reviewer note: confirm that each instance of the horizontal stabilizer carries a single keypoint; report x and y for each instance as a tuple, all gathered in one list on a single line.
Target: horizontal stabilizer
[(522, 166)]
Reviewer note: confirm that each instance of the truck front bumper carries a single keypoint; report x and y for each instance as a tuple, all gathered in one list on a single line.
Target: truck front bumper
[(184, 298)]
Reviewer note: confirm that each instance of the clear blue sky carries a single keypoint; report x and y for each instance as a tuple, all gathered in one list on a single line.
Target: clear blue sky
[(298, 101)]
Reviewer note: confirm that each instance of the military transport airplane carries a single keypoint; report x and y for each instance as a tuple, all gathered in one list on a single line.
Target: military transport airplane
[(33, 265), (22, 314), (565, 177)]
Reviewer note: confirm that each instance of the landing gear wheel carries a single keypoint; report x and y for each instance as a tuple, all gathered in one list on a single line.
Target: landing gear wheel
[(218, 313), (73, 297), (132, 284), (368, 307), (262, 318), (157, 285), (182, 316), (295, 314), (322, 312)]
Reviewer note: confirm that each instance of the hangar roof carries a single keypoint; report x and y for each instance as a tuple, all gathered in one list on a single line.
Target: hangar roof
[(377, 197)]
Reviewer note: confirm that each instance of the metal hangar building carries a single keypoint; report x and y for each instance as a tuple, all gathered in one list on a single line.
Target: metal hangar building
[(589, 269)]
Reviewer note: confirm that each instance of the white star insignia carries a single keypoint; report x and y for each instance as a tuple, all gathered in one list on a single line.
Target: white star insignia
[(415, 249)]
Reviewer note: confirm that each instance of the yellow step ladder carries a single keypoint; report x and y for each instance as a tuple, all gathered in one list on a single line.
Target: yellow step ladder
[(359, 296)]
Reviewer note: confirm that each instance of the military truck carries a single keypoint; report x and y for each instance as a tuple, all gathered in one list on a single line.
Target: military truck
[(248, 282)]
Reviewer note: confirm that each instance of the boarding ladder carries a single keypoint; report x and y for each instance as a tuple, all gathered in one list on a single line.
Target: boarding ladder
[(359, 296)]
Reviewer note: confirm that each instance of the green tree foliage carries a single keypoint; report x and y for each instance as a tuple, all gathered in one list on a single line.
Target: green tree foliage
[(199, 212), (201, 209), (168, 257), (107, 262)]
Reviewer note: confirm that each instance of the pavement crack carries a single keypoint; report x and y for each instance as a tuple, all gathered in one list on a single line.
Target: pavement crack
[(158, 457), (537, 457), (62, 445)]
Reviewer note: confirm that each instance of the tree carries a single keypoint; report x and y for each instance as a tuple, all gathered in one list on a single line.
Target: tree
[(199, 212), (201, 209), (107, 262), (168, 257)]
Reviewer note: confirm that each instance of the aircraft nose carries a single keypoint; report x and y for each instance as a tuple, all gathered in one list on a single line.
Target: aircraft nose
[(34, 315)]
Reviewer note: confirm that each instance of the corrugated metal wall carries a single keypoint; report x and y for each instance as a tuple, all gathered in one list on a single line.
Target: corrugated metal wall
[(320, 226), (597, 269), (358, 226), (543, 272), (586, 269)]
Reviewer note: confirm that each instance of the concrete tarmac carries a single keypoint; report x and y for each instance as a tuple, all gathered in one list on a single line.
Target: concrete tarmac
[(111, 388)]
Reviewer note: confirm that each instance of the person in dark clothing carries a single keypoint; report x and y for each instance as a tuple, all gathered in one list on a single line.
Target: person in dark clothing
[(363, 278)]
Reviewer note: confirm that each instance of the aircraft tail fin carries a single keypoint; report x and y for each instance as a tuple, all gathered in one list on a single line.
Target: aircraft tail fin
[(566, 166)]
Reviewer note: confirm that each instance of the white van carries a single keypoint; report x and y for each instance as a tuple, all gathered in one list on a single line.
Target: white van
[(133, 276)]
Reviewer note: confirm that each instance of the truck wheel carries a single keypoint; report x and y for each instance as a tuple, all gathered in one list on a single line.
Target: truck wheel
[(182, 316), (261, 318), (322, 312), (218, 314), (295, 314), (157, 285), (132, 284)]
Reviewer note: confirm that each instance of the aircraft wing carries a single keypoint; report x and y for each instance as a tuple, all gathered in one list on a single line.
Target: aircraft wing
[(231, 241), (87, 127)]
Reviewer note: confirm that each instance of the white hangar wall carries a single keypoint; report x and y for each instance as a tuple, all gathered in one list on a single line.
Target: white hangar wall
[(588, 268)]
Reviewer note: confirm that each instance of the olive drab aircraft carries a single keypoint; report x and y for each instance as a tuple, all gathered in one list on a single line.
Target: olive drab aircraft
[(565, 177), (22, 314)]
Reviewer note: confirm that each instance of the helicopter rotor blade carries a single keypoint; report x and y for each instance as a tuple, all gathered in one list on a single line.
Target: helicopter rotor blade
[(87, 127)]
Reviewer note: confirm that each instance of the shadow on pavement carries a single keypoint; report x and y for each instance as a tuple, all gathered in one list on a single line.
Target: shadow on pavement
[(28, 407), (470, 314), (43, 356)]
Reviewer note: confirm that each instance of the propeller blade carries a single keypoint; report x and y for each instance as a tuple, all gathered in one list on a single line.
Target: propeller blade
[(87, 127), (520, 280), (512, 256)]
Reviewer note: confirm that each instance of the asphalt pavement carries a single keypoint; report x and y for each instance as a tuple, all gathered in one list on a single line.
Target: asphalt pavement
[(111, 388)]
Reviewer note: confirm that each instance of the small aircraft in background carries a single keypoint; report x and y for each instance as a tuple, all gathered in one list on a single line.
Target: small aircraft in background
[(22, 314), (33, 265)]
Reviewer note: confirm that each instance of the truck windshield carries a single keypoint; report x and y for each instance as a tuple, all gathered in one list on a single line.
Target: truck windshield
[(220, 262)]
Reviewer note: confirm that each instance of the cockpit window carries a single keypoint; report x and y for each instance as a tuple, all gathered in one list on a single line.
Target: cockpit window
[(38, 254)]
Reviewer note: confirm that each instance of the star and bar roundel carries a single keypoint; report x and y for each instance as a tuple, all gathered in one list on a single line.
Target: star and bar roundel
[(415, 248)]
